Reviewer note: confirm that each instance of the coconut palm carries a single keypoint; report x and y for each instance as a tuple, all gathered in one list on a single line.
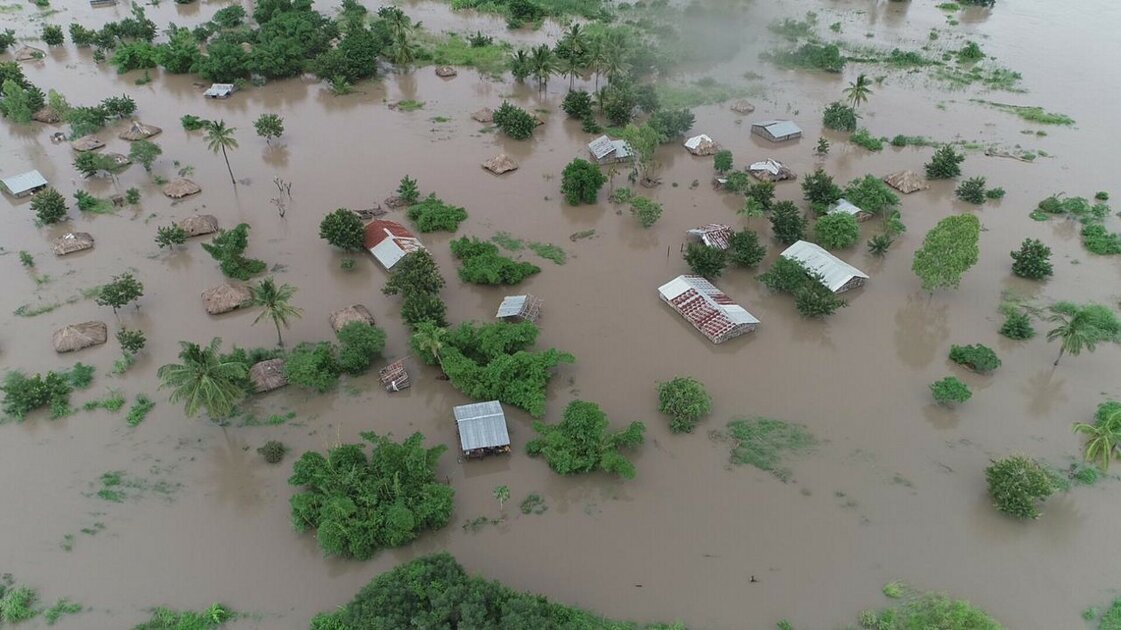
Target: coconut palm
[(544, 65), (570, 67), (402, 50), (858, 91), (596, 57), (1075, 331), (1103, 437), (219, 137), (204, 379), (615, 53), (520, 65), (430, 338), (273, 301)]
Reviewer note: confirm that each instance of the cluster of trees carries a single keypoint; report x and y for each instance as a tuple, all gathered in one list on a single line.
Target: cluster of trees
[(228, 248), (21, 98), (787, 223), (685, 401), (432, 214), (483, 264), (837, 230), (581, 182), (948, 251), (24, 394), (581, 442), (514, 121), (416, 278), (811, 297)]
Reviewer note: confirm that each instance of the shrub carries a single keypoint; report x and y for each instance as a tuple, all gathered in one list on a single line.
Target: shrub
[(577, 104), (191, 122), (408, 190), (978, 357), (970, 52), (24, 394), (647, 211), (359, 344), (722, 161), (52, 35), (134, 56), (581, 181), (416, 272), (1017, 484), (313, 366), (514, 121), (684, 400), (144, 153), (482, 264), (170, 236), (787, 223), (672, 123), (744, 249), (879, 244), (433, 215), (946, 163), (761, 195), (273, 451), (227, 248), (994, 194), (81, 36), (580, 443), (1033, 261), (839, 117), (871, 194), (706, 261), (950, 390), (812, 56), (131, 341), (1017, 326), (837, 230), (49, 206), (1098, 241), (420, 307), (972, 190), (820, 191), (269, 126), (343, 229), (814, 299), (132, 196), (863, 138), (929, 611), (120, 291)]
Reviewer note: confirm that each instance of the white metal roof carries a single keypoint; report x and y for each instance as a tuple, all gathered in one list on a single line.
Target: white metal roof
[(19, 184), (834, 271), (696, 141), (391, 250), (715, 298), (601, 147), (779, 128), (511, 305), (846, 206), (481, 425), (771, 166), (219, 89), (621, 148)]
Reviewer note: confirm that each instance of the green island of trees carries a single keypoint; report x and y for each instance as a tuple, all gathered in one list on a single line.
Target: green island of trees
[(483, 264), (581, 442), (432, 215)]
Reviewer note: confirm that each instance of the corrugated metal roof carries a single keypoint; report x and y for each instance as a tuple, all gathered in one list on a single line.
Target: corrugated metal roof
[(834, 271), (846, 206), (389, 241), (621, 148), (713, 235), (771, 166), (601, 147), (481, 425), (696, 141), (779, 128), (511, 305), (220, 89), (707, 308), (19, 184)]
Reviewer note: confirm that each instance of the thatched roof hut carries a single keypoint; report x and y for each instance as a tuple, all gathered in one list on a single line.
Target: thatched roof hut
[(139, 131), (181, 187), (199, 224), (72, 242), (350, 314), (87, 143), (742, 107), (500, 164), (446, 72), (906, 182), (484, 115), (268, 375), (225, 298), (394, 201), (28, 53), (46, 115), (120, 159), (78, 336)]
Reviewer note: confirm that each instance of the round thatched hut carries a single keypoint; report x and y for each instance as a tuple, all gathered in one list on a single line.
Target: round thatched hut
[(181, 187), (139, 131), (225, 298), (500, 164), (78, 336), (199, 224), (350, 314), (72, 242), (268, 375)]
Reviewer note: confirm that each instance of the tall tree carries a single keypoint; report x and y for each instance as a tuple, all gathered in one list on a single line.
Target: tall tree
[(273, 299), (204, 379), (1103, 437), (858, 91), (430, 339), (948, 251), (219, 137), (544, 65), (1081, 327)]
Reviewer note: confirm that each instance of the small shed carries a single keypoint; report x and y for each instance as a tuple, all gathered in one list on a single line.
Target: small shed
[(78, 336), (837, 275), (482, 429), (770, 171), (906, 182), (394, 377), (519, 308), (72, 242), (714, 235), (349, 315), (604, 151), (139, 131), (24, 184), (220, 90), (847, 207), (500, 164), (199, 224), (87, 143), (181, 187), (225, 298), (47, 115), (701, 145), (389, 241), (268, 375), (776, 130), (707, 308)]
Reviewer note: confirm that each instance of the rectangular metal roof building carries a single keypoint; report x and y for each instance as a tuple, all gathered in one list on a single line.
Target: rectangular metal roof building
[(776, 130), (220, 90), (24, 184), (713, 234), (837, 275), (482, 428), (707, 308), (847, 207), (607, 151), (389, 241)]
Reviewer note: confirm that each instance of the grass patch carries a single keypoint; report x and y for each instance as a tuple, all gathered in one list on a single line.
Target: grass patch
[(1029, 113), (117, 487), (763, 442), (453, 50), (912, 141), (168, 619), (704, 91), (61, 607), (506, 241), (533, 504), (112, 402), (28, 310), (436, 119), (863, 138), (139, 410), (930, 610), (551, 252), (250, 420), (17, 603), (410, 105), (808, 56), (995, 78)]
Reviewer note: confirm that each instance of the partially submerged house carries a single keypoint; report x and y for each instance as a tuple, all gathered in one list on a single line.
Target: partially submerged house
[(72, 242), (78, 336), (225, 298), (776, 130), (770, 171), (702, 145), (482, 429), (24, 184), (349, 315), (389, 241), (519, 308), (604, 151), (906, 182), (847, 207), (199, 224), (837, 275), (139, 131), (87, 143), (220, 90), (181, 187), (394, 377), (714, 235), (500, 164), (268, 375), (707, 308)]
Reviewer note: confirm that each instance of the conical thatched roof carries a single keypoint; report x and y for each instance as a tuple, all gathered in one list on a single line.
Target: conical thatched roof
[(268, 375), (500, 164), (72, 242), (181, 187), (78, 336), (199, 224), (352, 313), (906, 182), (87, 143), (27, 53), (484, 115), (225, 298), (46, 115), (139, 131), (446, 71), (742, 107)]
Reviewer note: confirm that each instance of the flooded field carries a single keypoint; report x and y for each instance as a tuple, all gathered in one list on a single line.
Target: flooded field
[(895, 488)]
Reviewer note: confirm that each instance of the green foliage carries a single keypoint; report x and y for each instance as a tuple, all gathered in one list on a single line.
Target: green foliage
[(1017, 325), (131, 341), (950, 390), (837, 230), (359, 504), (810, 56), (49, 206), (1098, 241), (90, 164), (787, 223), (416, 272), (139, 410), (359, 344), (112, 402), (343, 229), (643, 140), (514, 121), (191, 122), (273, 451), (205, 379), (420, 307), (871, 194), (814, 299), (408, 190), (17, 102), (132, 196), (166, 619), (118, 106), (811, 297), (722, 161), (533, 504), (864, 138), (227, 248), (23, 394), (1081, 327), (948, 251), (706, 261), (744, 249), (764, 442), (820, 191), (119, 291), (81, 36), (549, 252), (269, 126), (52, 35), (62, 607), (946, 163), (994, 194), (144, 153), (313, 365), (1017, 484), (180, 54), (1032, 261), (685, 401), (433, 215), (879, 244), (581, 182), (972, 190), (134, 56), (483, 264), (170, 235), (17, 603), (978, 357), (26, 259), (1103, 437), (929, 611), (580, 443), (577, 104), (672, 124)]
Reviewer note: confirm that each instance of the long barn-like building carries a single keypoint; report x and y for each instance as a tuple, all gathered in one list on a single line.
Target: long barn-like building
[(707, 308)]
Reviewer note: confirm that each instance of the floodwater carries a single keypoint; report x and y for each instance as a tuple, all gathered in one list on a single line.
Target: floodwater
[(894, 491)]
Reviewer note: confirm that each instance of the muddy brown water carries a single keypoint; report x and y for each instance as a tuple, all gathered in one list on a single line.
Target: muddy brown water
[(895, 490)]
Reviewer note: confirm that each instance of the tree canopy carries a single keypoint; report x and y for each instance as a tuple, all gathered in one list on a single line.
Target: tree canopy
[(948, 251), (581, 443), (482, 264)]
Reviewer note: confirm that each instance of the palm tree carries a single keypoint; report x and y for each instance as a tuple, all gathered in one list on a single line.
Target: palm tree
[(204, 379), (859, 91), (615, 52), (544, 65), (596, 57), (1075, 331), (520, 65), (273, 301), (1104, 438), (401, 48), (570, 67), (219, 137), (430, 338)]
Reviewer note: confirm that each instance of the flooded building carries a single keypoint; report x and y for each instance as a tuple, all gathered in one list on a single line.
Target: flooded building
[(707, 308), (702, 145), (482, 429), (836, 274), (389, 241), (24, 184), (847, 207), (714, 235), (519, 308), (770, 171), (604, 151), (220, 90), (776, 130)]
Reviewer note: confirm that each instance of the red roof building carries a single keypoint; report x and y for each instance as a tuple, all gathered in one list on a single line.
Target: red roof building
[(389, 241)]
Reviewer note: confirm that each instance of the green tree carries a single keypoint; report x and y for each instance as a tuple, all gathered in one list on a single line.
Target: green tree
[(514, 121), (52, 35), (543, 64), (416, 272), (577, 104), (706, 261), (418, 307), (359, 344), (671, 124), (402, 50), (269, 126), (744, 249), (502, 493), (822, 147), (131, 341), (580, 443), (858, 91), (839, 117), (520, 65), (91, 164), (871, 194), (977, 357), (837, 230), (120, 291), (144, 153), (219, 137), (722, 161), (433, 215), (1017, 484), (685, 401), (17, 101), (946, 163), (408, 190), (273, 300), (205, 379), (482, 263), (180, 53), (312, 365), (581, 182), (820, 191), (972, 190), (648, 211), (228, 248), (1080, 327), (430, 338), (1103, 437), (948, 251), (1017, 325), (643, 140), (1032, 261), (343, 229), (49, 206), (170, 235), (787, 223)]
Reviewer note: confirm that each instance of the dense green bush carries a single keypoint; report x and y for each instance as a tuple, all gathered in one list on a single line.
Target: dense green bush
[(837, 230), (359, 344), (864, 138), (744, 249), (685, 401), (416, 272), (672, 124), (49, 206), (929, 611), (1098, 240), (648, 211), (119, 291), (972, 190), (811, 56), (839, 116), (787, 223), (1032, 261), (514, 121), (52, 35), (814, 299), (1017, 326), (705, 260), (273, 451), (580, 443), (977, 357), (1017, 484), (946, 163), (313, 365), (871, 194), (483, 264), (24, 394), (811, 297), (359, 504), (171, 235), (820, 191), (227, 248), (581, 181), (433, 215), (343, 229), (577, 104), (722, 161), (950, 390), (134, 56), (419, 306)]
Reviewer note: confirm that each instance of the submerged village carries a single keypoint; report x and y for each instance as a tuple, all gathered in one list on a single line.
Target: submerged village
[(559, 314)]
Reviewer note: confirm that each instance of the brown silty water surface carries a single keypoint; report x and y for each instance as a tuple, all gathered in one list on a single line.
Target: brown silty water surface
[(894, 491)]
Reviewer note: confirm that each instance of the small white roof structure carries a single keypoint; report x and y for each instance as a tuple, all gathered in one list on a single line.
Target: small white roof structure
[(389, 241), (701, 145), (776, 130), (24, 184), (511, 305), (219, 90), (713, 234), (604, 149), (835, 272), (847, 207), (695, 141), (707, 308), (774, 167), (481, 425)]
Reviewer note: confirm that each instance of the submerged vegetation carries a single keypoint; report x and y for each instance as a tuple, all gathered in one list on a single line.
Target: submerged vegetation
[(765, 443)]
